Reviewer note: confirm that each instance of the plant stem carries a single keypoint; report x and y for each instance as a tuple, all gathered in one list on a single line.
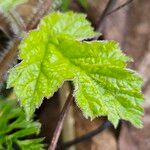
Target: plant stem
[(87, 136), (16, 18), (59, 126), (68, 132), (108, 7), (119, 7), (8, 59), (107, 11)]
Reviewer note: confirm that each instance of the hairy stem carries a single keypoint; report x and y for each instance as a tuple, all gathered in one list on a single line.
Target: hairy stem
[(8, 59), (59, 126), (18, 21), (41, 11)]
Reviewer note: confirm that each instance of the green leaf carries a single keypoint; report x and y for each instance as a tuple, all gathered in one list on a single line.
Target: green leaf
[(53, 54), (69, 23), (6, 5), (14, 128)]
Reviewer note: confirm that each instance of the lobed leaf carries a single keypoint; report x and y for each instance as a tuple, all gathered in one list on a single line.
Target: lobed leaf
[(71, 24), (53, 54)]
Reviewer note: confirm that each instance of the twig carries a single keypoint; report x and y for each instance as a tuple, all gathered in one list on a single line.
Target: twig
[(87, 136), (59, 126), (107, 11), (108, 7), (119, 7)]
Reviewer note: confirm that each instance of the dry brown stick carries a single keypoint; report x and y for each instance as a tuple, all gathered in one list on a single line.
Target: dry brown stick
[(59, 126)]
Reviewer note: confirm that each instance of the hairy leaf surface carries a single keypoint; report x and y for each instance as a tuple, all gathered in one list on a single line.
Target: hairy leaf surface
[(53, 54), (71, 24)]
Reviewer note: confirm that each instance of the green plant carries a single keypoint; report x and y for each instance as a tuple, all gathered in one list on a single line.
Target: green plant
[(57, 51), (15, 130)]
